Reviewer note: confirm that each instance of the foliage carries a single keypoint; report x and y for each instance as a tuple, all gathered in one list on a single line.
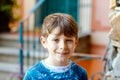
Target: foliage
[(6, 8)]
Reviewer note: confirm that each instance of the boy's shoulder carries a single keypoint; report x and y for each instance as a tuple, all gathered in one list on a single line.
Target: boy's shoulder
[(35, 72), (78, 68), (36, 66)]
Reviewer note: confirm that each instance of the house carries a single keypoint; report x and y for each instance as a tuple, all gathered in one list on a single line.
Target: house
[(92, 18)]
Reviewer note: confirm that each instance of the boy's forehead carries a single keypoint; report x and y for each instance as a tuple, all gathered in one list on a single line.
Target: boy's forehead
[(56, 31), (52, 35)]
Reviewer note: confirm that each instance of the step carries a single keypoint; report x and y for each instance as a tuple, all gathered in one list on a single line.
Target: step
[(9, 50), (12, 36), (12, 40), (8, 67), (11, 55), (8, 70), (8, 40)]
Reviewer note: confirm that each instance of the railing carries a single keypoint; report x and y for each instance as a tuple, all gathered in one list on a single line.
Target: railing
[(21, 38), (108, 54)]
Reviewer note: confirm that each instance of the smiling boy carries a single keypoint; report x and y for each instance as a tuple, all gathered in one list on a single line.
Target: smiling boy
[(59, 37)]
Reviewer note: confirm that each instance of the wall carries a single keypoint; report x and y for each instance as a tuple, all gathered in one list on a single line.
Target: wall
[(98, 37), (28, 5)]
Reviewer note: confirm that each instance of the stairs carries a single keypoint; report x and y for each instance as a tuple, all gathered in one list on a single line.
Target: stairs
[(9, 55), (9, 61)]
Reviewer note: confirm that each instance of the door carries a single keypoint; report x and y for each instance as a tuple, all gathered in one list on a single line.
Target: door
[(54, 6)]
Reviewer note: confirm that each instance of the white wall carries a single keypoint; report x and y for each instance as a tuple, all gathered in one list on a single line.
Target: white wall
[(99, 38), (85, 15), (28, 5)]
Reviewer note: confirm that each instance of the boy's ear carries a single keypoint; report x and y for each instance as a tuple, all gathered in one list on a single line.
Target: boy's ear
[(43, 41)]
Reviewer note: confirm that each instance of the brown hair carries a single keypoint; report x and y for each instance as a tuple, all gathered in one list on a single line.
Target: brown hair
[(67, 24)]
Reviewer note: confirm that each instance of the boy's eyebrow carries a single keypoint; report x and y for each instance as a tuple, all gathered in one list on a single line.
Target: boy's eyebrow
[(55, 34)]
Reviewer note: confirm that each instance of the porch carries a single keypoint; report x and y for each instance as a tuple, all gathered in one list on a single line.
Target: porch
[(11, 44), (10, 62)]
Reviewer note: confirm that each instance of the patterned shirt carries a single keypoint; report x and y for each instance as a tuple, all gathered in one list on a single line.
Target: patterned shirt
[(40, 72)]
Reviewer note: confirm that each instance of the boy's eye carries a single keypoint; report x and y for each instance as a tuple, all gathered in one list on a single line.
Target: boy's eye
[(69, 40), (56, 40)]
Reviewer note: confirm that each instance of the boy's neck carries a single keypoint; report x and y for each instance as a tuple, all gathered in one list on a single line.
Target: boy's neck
[(52, 62)]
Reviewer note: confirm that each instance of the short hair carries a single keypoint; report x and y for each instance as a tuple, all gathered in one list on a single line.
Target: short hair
[(66, 22)]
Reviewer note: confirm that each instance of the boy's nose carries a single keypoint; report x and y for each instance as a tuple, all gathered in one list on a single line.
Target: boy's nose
[(63, 45)]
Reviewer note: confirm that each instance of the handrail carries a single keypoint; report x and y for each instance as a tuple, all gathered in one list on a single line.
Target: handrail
[(87, 55), (84, 56), (39, 3)]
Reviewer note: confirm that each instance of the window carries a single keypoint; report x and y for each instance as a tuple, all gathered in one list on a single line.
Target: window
[(85, 15)]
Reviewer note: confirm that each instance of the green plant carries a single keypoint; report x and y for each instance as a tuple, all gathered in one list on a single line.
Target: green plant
[(7, 13), (6, 7)]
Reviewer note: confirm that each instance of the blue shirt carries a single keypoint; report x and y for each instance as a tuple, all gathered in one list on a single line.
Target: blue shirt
[(40, 72)]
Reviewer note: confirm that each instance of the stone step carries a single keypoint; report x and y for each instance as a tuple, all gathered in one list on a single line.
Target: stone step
[(8, 67), (8, 70), (8, 40), (11, 55), (12, 40)]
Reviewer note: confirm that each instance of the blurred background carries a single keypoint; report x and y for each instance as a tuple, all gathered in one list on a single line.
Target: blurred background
[(20, 29)]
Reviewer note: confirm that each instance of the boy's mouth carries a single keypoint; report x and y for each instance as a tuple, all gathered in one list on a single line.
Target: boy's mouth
[(66, 52)]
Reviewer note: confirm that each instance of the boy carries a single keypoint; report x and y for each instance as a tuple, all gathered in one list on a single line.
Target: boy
[(59, 37)]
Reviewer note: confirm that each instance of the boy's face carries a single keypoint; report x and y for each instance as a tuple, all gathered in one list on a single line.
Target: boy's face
[(59, 46)]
